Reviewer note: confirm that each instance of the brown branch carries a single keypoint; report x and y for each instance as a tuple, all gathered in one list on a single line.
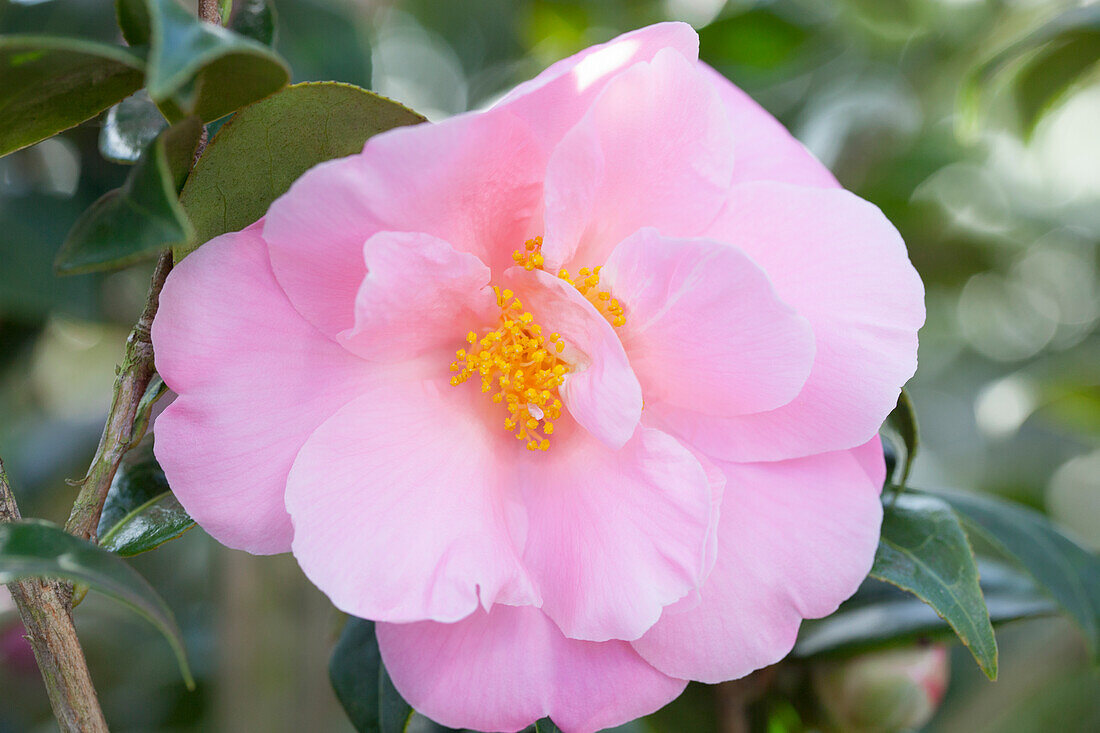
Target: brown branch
[(210, 11), (43, 605), (118, 437)]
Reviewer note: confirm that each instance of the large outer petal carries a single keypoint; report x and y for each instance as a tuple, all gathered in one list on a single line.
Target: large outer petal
[(614, 535), (557, 98), (474, 180), (253, 381), (654, 149), (795, 539), (705, 330), (398, 508), (419, 295), (838, 261), (505, 669), (765, 150)]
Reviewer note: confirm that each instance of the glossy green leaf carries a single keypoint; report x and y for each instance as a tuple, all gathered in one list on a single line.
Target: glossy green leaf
[(129, 127), (265, 147), (1061, 567), (1044, 65), (901, 429), (255, 19), (140, 513), (34, 548), (361, 683), (924, 550), (143, 216), (50, 84), (196, 67), (881, 615)]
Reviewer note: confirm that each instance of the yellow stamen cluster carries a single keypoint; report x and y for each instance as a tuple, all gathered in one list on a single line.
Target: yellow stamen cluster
[(520, 367)]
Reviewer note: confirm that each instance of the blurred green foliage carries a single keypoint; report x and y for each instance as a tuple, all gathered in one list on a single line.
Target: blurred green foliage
[(994, 183)]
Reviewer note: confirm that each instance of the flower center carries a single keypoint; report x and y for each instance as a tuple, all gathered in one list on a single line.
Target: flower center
[(519, 367)]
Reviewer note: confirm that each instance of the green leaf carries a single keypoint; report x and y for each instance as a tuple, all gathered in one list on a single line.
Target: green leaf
[(140, 513), (881, 615), (1045, 63), (1061, 567), (546, 726), (129, 127), (924, 550), (143, 216), (901, 428), (255, 19), (34, 548), (265, 147), (225, 9), (196, 67), (756, 39), (50, 84), (361, 683)]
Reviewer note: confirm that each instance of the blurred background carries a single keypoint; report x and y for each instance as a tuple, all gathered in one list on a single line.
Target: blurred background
[(992, 178)]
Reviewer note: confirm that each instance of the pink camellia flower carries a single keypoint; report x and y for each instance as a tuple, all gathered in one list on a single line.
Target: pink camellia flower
[(577, 396)]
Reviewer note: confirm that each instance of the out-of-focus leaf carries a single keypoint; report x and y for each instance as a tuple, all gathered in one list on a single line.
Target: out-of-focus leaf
[(696, 710), (50, 84), (361, 683), (1047, 63), (140, 513), (881, 615), (322, 41), (901, 428), (546, 726), (255, 19), (924, 550), (756, 39), (129, 127), (1061, 567), (196, 67), (265, 147), (143, 216), (34, 548), (225, 9)]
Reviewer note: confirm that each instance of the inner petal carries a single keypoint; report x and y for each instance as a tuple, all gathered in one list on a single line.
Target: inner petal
[(525, 368)]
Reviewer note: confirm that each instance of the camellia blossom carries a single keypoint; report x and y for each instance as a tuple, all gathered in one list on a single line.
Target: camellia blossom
[(577, 397)]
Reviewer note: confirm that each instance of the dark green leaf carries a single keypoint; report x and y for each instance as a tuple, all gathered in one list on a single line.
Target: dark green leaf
[(257, 155), (129, 127), (143, 216), (140, 513), (199, 68), (923, 550), (361, 683), (33, 548), (1046, 63), (756, 39), (255, 19), (881, 615), (1061, 567), (50, 84), (901, 429), (546, 726)]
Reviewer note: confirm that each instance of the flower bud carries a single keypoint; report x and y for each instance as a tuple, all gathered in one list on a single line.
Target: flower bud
[(882, 692)]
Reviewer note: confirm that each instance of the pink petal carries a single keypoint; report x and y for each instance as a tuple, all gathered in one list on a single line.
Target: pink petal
[(505, 669), (614, 536), (474, 180), (705, 330), (654, 149), (419, 294), (838, 261), (765, 150), (254, 380), (398, 508), (601, 393), (795, 539), (557, 98)]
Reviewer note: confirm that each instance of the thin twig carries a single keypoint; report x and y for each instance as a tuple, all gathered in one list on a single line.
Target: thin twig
[(130, 384), (43, 606)]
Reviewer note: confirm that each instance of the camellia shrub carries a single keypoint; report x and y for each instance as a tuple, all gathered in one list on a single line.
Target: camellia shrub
[(566, 402)]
